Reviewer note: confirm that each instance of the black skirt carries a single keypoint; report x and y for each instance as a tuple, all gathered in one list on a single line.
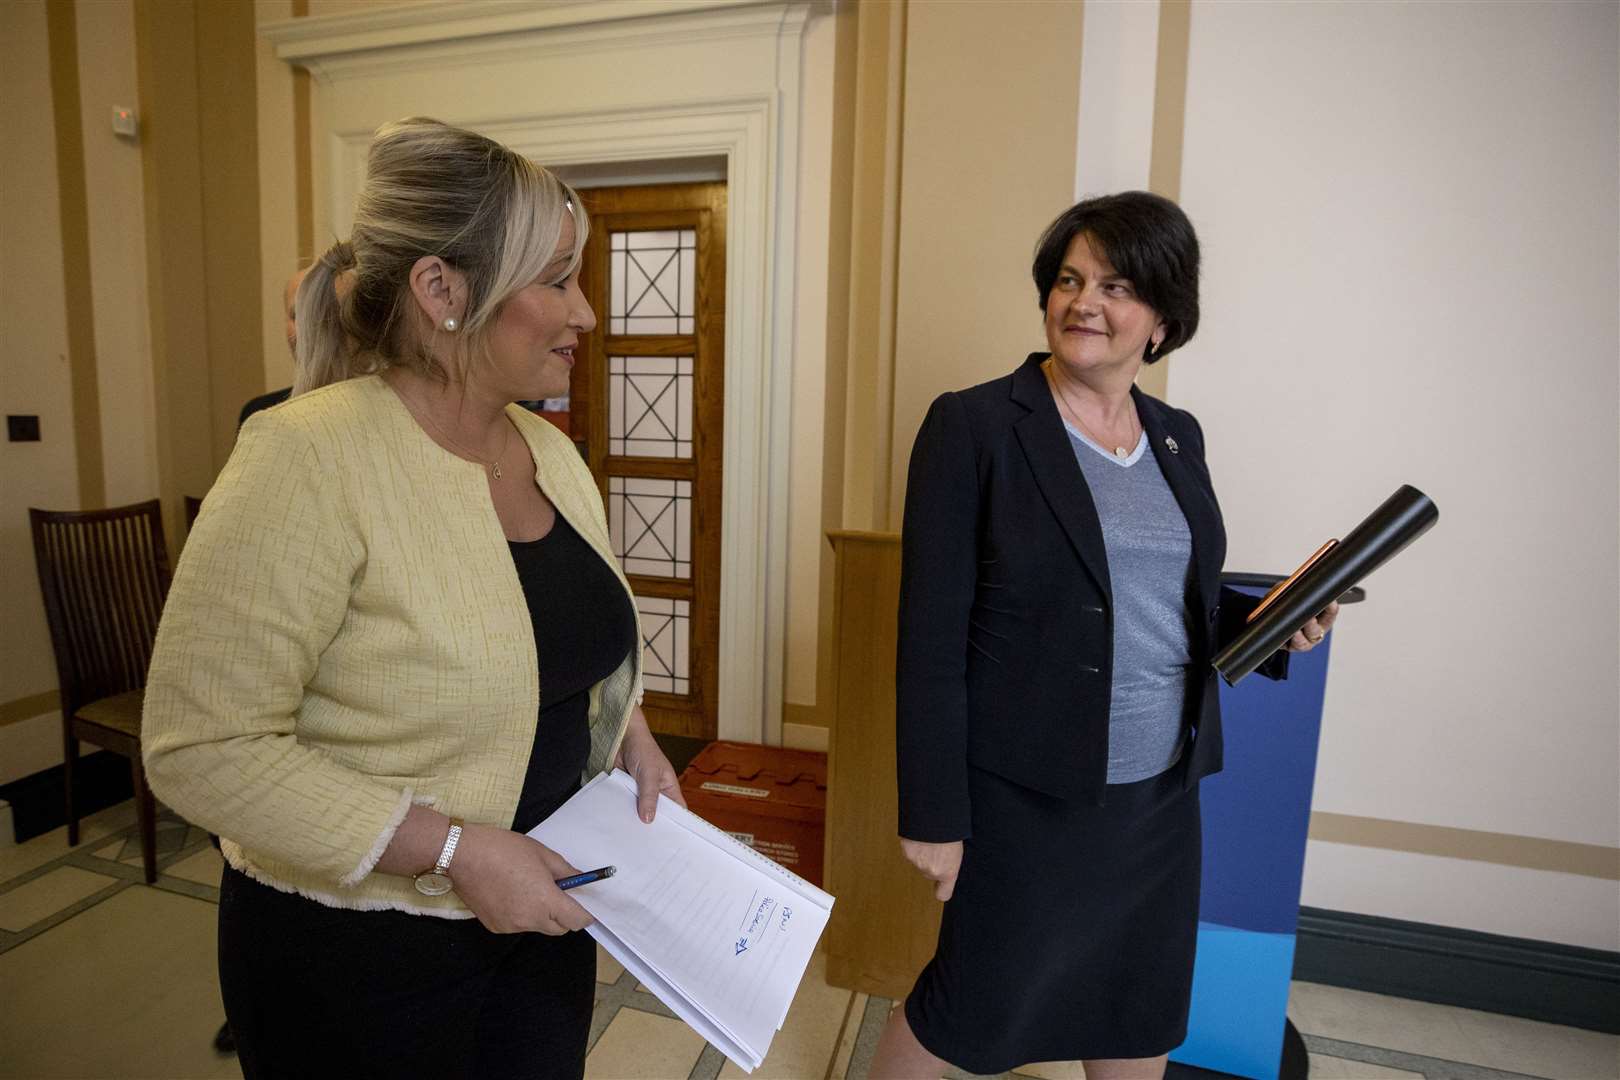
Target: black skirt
[(312, 990), (1071, 932)]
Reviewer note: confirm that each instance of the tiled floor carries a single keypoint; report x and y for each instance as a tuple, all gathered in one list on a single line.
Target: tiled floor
[(104, 976)]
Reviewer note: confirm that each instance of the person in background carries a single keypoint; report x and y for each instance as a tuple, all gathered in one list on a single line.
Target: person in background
[(275, 397), (1060, 600), (398, 639)]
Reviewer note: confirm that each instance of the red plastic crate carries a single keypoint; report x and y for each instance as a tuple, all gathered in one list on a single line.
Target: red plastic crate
[(771, 798)]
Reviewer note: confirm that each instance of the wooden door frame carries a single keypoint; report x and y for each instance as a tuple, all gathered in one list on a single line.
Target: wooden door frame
[(702, 207)]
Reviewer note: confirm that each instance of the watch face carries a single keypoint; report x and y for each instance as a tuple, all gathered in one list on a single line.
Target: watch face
[(433, 883)]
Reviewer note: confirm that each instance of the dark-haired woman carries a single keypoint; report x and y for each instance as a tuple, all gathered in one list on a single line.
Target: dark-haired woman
[(1060, 601)]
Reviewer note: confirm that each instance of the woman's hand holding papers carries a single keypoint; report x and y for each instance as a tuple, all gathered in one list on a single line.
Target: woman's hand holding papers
[(1311, 634), (938, 862), (510, 882), (640, 756)]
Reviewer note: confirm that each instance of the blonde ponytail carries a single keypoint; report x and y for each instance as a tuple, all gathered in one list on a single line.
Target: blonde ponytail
[(325, 352)]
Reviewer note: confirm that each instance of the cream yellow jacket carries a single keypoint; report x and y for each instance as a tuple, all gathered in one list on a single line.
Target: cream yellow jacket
[(346, 636)]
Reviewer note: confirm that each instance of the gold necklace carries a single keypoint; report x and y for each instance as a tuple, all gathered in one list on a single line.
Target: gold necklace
[(494, 467), (1120, 452)]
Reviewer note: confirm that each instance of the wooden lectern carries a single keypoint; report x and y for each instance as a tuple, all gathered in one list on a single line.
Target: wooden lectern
[(886, 920)]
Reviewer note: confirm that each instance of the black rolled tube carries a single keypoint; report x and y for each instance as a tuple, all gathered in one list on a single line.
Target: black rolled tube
[(1403, 517)]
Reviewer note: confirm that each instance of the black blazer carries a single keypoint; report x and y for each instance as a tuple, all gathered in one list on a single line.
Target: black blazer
[(1006, 614)]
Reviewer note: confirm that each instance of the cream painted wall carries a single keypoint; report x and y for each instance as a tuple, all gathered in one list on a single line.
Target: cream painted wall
[(988, 162), (34, 376), (114, 197), (1410, 216)]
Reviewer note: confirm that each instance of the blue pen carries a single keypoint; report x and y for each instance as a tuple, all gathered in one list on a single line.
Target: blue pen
[(586, 878)]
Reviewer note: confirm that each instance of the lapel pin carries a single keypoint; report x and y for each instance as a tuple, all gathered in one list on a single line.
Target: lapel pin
[(1170, 442)]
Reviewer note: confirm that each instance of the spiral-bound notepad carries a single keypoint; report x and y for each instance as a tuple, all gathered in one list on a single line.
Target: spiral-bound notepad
[(718, 932)]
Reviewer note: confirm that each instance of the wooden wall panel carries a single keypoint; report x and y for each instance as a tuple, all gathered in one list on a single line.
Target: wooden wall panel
[(886, 920)]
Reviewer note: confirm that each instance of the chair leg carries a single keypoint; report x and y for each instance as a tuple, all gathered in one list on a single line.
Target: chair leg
[(146, 815), (70, 758)]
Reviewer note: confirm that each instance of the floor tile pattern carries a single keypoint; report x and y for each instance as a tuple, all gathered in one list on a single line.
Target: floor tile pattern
[(87, 938)]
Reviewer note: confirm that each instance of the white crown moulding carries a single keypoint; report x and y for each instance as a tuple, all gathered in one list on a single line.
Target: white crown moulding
[(331, 46)]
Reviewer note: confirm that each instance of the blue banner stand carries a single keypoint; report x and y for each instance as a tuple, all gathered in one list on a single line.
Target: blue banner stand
[(1256, 815)]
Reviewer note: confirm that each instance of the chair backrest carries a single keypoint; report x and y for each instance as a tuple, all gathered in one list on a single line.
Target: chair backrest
[(193, 506), (104, 575)]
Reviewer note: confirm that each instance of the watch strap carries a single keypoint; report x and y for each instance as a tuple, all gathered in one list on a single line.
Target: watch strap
[(436, 880), (448, 852)]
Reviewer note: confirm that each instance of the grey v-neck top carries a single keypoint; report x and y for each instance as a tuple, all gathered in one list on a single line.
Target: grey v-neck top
[(1149, 551)]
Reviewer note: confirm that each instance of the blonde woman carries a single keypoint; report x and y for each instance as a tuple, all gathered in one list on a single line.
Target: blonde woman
[(398, 639)]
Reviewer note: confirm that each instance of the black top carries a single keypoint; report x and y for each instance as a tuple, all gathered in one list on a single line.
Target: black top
[(1006, 609), (583, 629), (262, 402)]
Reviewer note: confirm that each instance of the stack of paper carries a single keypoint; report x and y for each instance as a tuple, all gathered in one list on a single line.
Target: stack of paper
[(715, 930)]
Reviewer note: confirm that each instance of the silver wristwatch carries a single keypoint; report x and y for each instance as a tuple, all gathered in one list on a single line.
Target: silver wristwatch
[(435, 880)]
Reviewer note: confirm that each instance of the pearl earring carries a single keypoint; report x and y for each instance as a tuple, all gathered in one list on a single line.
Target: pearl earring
[(450, 324)]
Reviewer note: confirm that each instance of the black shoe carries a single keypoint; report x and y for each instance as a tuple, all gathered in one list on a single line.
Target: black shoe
[(224, 1041)]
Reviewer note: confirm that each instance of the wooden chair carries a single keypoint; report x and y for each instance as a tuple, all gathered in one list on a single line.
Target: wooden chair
[(192, 506), (104, 575)]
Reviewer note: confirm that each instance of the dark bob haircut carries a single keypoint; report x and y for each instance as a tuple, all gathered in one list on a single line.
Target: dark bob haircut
[(1147, 239)]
